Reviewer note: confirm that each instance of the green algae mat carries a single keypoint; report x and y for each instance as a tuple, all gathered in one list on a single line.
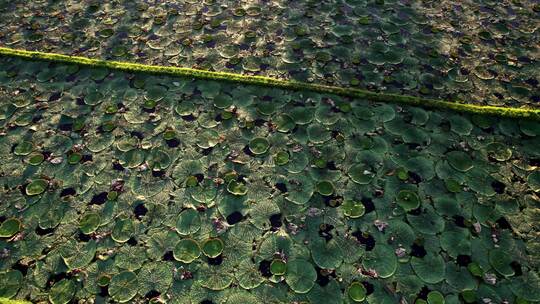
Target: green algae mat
[(133, 188)]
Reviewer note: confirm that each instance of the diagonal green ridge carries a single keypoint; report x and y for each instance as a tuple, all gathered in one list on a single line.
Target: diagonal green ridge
[(533, 114)]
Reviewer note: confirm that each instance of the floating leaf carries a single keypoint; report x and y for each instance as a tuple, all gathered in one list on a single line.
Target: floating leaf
[(187, 250), (188, 222), (212, 247), (36, 187), (357, 291), (62, 292), (430, 268), (408, 200), (89, 223), (10, 282), (10, 227), (300, 275), (123, 286)]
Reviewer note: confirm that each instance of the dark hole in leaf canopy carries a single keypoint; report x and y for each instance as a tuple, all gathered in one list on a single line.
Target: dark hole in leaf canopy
[(365, 239), (532, 81), (206, 302), (416, 211), (264, 268), (68, 192), (23, 188), (207, 151), (412, 146), (36, 118), (216, 261), (46, 154), (324, 231), (535, 162), (117, 166), (275, 220), (498, 186), (459, 221), (281, 187), (2, 218), (81, 237), (40, 231), (248, 151), (149, 110), (259, 122), (99, 199), (369, 288), (87, 158), (234, 218), (132, 242), (199, 176), (20, 267), (423, 293), (65, 127), (189, 117), (158, 173), (368, 205), (55, 96), (173, 143), (333, 201), (168, 256), (80, 101), (331, 165), (463, 260), (137, 134), (140, 211), (414, 177), (418, 251), (517, 268), (218, 117), (104, 291), (152, 294), (502, 223), (323, 277), (57, 277)]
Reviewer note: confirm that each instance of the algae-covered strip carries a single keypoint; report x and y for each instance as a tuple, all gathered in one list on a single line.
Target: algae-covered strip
[(533, 114)]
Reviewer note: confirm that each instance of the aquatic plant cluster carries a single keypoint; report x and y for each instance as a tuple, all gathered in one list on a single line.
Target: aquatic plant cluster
[(221, 152), (135, 187), (481, 52)]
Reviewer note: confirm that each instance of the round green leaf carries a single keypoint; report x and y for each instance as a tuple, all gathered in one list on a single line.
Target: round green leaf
[(123, 286), (459, 160), (325, 188), (278, 267), (236, 188), (186, 250), (408, 200), (62, 292), (89, 223), (188, 222), (357, 292), (10, 227), (36, 187), (382, 259), (500, 260), (10, 282), (430, 268), (300, 275), (212, 247), (259, 145), (353, 209)]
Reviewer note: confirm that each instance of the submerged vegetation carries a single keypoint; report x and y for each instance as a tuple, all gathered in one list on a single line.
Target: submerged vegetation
[(295, 172)]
